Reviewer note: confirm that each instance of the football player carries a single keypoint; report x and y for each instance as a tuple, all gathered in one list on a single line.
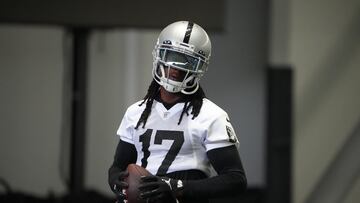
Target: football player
[(175, 132)]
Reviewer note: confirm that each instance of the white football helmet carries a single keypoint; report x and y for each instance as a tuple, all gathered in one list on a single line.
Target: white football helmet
[(184, 46)]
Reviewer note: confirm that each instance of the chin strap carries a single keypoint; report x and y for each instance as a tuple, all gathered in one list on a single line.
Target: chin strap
[(191, 92)]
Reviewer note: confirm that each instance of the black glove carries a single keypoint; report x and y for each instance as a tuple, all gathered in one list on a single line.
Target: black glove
[(160, 189), (117, 184)]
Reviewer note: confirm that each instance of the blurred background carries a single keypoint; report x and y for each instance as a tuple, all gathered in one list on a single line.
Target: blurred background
[(287, 73)]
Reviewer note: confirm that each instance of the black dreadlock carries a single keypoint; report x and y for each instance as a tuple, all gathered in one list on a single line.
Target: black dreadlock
[(194, 100)]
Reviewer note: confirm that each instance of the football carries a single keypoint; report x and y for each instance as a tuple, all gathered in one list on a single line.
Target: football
[(135, 174)]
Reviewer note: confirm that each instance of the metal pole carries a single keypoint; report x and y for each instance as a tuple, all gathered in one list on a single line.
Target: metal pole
[(78, 123)]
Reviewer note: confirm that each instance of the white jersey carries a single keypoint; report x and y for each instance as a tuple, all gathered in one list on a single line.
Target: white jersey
[(163, 146)]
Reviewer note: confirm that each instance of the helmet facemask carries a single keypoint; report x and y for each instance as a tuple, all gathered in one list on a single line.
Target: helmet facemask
[(192, 67)]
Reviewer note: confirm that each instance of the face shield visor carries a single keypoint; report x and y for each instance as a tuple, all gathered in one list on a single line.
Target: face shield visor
[(182, 60)]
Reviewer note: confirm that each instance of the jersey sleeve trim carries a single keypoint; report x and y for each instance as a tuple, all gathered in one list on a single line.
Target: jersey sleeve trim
[(218, 145), (125, 139)]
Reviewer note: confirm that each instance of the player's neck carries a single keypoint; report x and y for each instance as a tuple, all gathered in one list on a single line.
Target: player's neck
[(168, 97)]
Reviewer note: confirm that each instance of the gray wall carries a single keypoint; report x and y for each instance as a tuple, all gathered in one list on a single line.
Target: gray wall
[(34, 105), (31, 83), (325, 51), (319, 39)]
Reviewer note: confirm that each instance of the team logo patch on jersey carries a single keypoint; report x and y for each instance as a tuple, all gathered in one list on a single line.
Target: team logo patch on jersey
[(166, 114), (231, 134)]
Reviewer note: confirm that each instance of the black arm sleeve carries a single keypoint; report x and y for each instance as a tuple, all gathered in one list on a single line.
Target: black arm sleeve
[(124, 155), (231, 179)]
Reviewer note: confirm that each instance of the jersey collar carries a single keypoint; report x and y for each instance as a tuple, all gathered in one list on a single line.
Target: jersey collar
[(167, 113), (167, 105)]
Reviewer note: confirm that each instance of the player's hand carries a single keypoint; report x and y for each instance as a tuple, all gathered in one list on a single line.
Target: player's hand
[(154, 188), (118, 185)]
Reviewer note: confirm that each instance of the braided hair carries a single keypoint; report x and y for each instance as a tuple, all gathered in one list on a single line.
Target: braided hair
[(194, 100)]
